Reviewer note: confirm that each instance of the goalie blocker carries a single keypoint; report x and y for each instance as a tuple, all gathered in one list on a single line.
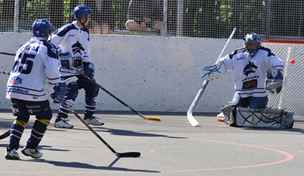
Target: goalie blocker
[(258, 118)]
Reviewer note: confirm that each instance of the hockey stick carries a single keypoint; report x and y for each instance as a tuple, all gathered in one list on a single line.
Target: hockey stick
[(200, 92), (120, 155), (5, 135), (6, 53), (153, 118)]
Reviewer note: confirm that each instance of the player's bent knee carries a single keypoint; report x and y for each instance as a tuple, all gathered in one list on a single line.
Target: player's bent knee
[(21, 122)]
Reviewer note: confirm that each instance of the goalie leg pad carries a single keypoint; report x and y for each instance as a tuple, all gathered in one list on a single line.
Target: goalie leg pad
[(263, 118)]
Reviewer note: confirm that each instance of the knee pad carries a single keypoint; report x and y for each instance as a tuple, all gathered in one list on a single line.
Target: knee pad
[(21, 121), (72, 91), (44, 120)]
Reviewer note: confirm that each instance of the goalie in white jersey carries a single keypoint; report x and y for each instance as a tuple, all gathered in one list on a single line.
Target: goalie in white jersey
[(73, 41), (255, 71), (35, 62)]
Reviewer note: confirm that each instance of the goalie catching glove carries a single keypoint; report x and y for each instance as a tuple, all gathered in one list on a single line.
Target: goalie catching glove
[(274, 81)]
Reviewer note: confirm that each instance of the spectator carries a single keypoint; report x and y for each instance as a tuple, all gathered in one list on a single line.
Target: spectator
[(144, 15), (102, 16)]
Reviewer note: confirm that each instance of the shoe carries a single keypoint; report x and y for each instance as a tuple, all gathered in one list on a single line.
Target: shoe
[(34, 153), (12, 155), (63, 123), (220, 117), (93, 121)]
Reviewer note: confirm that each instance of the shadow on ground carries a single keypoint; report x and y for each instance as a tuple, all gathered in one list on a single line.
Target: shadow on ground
[(43, 147), (81, 165), (121, 132)]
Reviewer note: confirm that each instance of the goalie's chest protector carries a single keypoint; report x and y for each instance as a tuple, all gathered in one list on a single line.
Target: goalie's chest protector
[(250, 73)]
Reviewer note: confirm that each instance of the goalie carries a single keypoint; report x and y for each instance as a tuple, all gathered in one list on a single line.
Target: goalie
[(255, 71)]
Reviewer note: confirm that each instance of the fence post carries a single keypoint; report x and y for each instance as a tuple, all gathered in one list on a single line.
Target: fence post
[(16, 15), (164, 27), (268, 18), (180, 17)]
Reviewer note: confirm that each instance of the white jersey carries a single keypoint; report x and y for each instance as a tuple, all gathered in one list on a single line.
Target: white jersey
[(73, 41), (250, 73), (35, 62)]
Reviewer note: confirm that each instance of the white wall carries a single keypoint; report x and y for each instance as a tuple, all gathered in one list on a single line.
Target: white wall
[(150, 73)]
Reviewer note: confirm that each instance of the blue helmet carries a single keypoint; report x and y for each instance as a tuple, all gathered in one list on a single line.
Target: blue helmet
[(42, 28), (252, 38), (81, 11)]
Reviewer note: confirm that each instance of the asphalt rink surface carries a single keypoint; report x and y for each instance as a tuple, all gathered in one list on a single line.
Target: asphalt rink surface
[(170, 148)]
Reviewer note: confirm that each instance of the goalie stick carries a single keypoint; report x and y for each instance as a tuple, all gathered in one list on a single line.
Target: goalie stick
[(200, 92)]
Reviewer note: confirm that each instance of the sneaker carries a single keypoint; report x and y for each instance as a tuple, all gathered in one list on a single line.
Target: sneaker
[(93, 121), (34, 153), (220, 117), (12, 155), (63, 123)]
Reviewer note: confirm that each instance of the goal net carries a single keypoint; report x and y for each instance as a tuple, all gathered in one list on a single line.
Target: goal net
[(292, 94)]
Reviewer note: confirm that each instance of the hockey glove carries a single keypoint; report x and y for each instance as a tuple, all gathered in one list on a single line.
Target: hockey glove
[(212, 72), (59, 92), (89, 69), (274, 81)]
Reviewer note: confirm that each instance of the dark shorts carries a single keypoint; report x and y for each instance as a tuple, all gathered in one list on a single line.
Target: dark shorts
[(26, 108), (140, 9)]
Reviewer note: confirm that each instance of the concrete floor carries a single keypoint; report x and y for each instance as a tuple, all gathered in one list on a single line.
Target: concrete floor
[(169, 148)]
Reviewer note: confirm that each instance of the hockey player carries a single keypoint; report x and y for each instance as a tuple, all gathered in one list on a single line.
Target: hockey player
[(253, 66), (73, 41), (35, 62)]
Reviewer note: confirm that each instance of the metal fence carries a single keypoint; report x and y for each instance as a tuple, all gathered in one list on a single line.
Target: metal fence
[(192, 18)]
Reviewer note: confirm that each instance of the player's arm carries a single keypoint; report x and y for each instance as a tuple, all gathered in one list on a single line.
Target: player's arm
[(57, 37), (51, 65), (223, 64)]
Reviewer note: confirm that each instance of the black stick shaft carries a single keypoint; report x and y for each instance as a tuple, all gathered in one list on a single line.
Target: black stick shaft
[(94, 132), (120, 101), (9, 54), (5, 134)]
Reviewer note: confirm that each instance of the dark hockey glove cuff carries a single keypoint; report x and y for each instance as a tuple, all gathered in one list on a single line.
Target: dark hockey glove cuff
[(59, 92), (89, 69)]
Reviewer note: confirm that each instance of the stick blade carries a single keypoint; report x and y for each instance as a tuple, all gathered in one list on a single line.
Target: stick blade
[(128, 155), (192, 120), (5, 135), (153, 118)]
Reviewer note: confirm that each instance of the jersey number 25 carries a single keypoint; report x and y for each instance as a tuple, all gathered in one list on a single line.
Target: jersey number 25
[(23, 64)]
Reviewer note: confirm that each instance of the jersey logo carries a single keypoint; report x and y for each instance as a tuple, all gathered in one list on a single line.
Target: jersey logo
[(249, 68), (15, 81), (77, 48)]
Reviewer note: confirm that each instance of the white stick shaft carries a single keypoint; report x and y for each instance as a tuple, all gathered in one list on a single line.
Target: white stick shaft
[(282, 96), (226, 44), (199, 93)]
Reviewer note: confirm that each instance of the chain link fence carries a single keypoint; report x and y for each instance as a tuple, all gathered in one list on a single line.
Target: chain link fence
[(191, 18)]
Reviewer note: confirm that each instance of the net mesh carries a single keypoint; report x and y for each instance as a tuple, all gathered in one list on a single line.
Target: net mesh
[(292, 96), (192, 18)]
